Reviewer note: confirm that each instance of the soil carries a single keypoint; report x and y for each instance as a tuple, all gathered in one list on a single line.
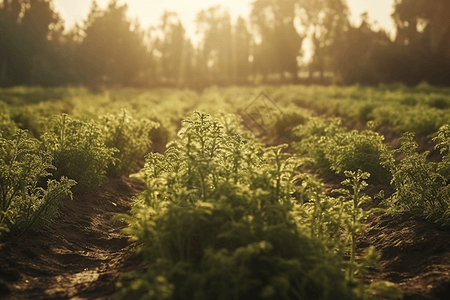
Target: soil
[(79, 256), (84, 252), (415, 255)]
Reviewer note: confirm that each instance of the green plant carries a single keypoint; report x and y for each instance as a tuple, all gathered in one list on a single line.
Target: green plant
[(257, 271), (23, 203), (130, 137), (78, 149), (336, 222), (280, 127), (218, 206), (421, 187), (218, 203), (361, 150), (320, 215), (314, 139), (7, 126), (352, 199), (221, 246), (333, 148)]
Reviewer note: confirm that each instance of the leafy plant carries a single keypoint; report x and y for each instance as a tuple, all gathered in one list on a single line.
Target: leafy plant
[(237, 219), (219, 205), (315, 136), (78, 149), (333, 148), (23, 203), (352, 198), (421, 187), (130, 137), (7, 126), (320, 215), (280, 128), (203, 245), (336, 222)]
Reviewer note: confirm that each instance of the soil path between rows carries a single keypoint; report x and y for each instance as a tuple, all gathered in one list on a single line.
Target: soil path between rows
[(79, 256)]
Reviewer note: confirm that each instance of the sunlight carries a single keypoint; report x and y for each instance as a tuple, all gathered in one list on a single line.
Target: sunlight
[(149, 12), (380, 11)]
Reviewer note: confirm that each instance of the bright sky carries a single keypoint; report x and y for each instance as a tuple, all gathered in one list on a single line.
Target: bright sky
[(149, 11)]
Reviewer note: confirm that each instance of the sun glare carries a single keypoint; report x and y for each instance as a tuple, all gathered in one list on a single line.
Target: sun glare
[(149, 12)]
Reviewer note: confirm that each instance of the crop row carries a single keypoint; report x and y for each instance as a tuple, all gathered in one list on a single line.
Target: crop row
[(77, 155), (219, 204), (219, 219)]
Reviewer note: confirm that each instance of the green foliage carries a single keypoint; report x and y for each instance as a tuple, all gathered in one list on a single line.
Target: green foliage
[(333, 148), (315, 137), (336, 222), (352, 199), (19, 95), (256, 271), (219, 220), (217, 245), (7, 126), (319, 215), (31, 116), (281, 126), (421, 110), (421, 187), (130, 137), (78, 149), (218, 203), (23, 203)]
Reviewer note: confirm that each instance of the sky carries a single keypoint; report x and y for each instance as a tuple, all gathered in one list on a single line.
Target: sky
[(149, 11)]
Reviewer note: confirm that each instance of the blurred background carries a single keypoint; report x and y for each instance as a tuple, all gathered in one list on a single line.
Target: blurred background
[(196, 44)]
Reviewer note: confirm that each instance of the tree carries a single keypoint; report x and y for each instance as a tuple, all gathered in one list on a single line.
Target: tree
[(326, 22), (423, 28), (112, 51), (280, 42), (171, 46), (241, 51), (26, 26), (215, 29), (362, 53)]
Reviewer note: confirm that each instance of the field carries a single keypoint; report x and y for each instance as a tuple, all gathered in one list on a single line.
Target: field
[(268, 192)]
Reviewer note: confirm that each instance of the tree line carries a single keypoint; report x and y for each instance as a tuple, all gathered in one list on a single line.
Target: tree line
[(109, 49)]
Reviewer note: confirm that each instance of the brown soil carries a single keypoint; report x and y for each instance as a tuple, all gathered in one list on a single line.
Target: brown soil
[(415, 255), (79, 256)]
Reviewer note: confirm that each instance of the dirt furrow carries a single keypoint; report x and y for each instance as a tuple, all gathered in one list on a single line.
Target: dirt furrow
[(79, 256)]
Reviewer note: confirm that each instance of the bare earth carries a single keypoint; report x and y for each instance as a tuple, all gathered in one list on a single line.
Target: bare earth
[(80, 256)]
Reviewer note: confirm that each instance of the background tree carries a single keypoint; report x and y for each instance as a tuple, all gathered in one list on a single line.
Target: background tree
[(326, 22), (26, 26), (171, 47), (9, 47), (280, 42), (242, 41), (112, 50), (360, 54), (423, 29), (215, 30)]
